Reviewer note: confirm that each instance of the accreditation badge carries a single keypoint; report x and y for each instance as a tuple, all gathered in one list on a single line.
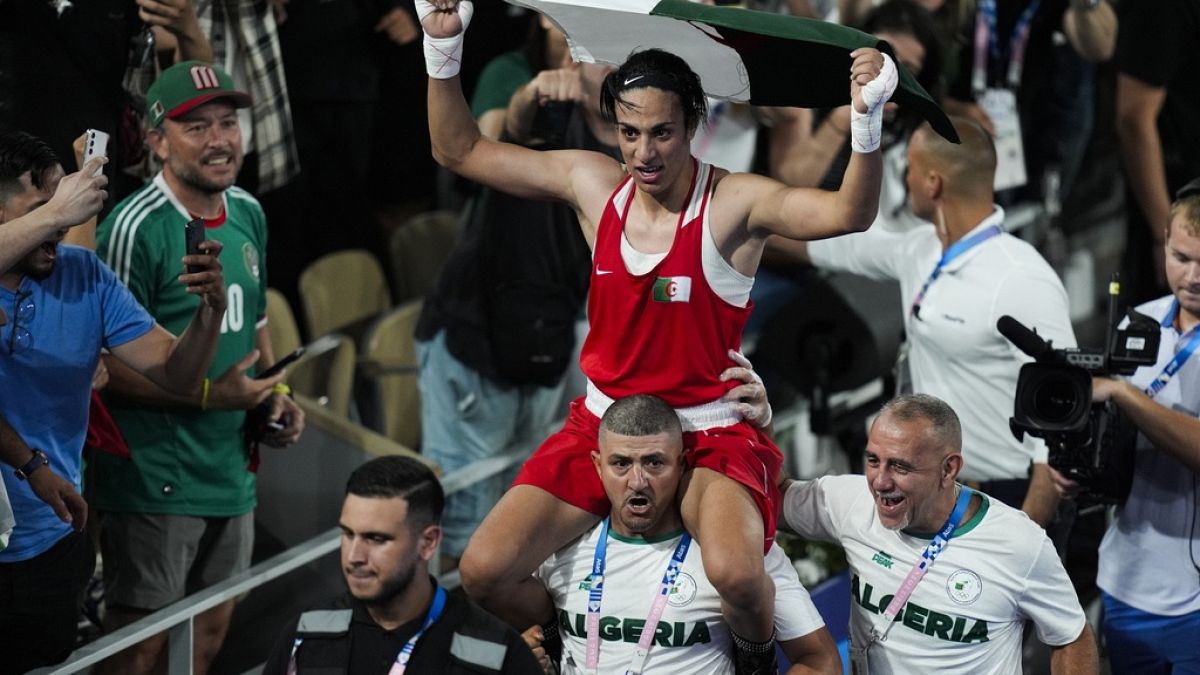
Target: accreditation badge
[(1001, 107)]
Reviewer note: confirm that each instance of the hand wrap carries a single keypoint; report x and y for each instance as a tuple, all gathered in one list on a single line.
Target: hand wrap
[(866, 128), (443, 56)]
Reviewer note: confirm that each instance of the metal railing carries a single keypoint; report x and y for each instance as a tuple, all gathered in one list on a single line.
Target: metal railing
[(177, 619)]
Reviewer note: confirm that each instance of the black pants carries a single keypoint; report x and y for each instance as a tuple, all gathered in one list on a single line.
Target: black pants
[(39, 604)]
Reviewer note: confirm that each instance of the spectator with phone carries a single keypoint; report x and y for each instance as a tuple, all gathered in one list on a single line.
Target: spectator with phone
[(178, 513), (59, 305)]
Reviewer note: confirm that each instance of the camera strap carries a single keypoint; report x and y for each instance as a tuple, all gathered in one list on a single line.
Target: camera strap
[(931, 552), (1180, 358), (955, 250)]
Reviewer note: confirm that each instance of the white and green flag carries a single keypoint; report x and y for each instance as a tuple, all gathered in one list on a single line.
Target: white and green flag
[(740, 54)]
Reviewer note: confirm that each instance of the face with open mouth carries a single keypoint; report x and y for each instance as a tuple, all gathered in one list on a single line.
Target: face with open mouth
[(907, 473), (38, 263), (640, 475), (655, 143)]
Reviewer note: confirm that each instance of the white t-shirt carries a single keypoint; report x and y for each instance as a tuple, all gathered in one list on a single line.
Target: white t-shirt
[(955, 351), (1146, 555), (967, 614), (692, 637)]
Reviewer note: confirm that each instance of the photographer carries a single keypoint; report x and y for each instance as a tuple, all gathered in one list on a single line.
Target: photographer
[(1148, 571)]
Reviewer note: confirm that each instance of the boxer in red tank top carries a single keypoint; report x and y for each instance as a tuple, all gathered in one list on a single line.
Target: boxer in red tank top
[(660, 331)]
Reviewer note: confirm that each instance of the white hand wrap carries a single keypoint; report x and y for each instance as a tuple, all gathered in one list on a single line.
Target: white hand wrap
[(866, 128), (443, 56)]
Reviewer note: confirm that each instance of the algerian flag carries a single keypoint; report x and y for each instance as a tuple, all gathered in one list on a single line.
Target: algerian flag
[(672, 289), (740, 54)]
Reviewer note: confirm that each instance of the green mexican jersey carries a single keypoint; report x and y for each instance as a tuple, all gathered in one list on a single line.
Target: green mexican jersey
[(185, 462)]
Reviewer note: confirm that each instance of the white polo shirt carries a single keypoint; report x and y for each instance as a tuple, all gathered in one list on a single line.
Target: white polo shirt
[(1146, 557), (955, 351), (968, 613), (691, 636)]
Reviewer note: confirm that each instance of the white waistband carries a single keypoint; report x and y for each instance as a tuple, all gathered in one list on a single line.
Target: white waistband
[(693, 418)]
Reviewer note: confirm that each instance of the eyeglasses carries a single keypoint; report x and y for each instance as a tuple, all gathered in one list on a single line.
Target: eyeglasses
[(23, 313)]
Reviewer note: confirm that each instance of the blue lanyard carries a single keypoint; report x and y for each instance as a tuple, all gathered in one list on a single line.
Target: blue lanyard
[(1181, 356), (957, 249), (931, 552), (597, 591), (987, 32), (401, 663), (435, 612)]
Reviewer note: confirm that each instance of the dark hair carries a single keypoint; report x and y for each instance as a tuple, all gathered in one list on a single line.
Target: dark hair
[(641, 415), (404, 477), (21, 152), (907, 16), (911, 407), (661, 70)]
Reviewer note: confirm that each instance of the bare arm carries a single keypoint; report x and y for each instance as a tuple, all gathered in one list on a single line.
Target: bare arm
[(1041, 500), (1092, 32), (176, 27), (800, 156), (51, 488), (1138, 105), (559, 85), (178, 365), (575, 177), (813, 654), (1076, 658), (78, 198), (1172, 432)]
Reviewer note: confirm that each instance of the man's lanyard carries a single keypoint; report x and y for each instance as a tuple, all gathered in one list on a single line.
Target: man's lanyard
[(656, 608), (1181, 356), (931, 552), (435, 612), (957, 249), (987, 35), (405, 653)]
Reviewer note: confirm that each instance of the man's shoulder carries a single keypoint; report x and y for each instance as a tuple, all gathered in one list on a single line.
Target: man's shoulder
[(143, 202), (1157, 308)]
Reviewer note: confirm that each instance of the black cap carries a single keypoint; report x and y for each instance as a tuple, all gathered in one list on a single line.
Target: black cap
[(1192, 188)]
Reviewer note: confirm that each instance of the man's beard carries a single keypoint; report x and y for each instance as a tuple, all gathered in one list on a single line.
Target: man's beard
[(393, 586), (195, 180)]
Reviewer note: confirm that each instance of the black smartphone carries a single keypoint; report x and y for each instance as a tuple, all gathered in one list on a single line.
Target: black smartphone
[(195, 236), (280, 364)]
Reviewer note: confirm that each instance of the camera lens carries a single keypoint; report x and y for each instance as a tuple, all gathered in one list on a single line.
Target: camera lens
[(1056, 401)]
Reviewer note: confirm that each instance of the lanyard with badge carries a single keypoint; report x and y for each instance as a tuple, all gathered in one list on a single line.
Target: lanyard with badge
[(957, 249), (405, 653), (656, 608), (1000, 103), (1180, 358), (858, 655)]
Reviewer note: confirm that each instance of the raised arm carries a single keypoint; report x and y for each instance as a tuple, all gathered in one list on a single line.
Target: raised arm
[(459, 146), (806, 214), (77, 199)]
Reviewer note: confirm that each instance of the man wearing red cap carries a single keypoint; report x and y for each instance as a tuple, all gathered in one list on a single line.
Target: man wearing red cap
[(178, 513)]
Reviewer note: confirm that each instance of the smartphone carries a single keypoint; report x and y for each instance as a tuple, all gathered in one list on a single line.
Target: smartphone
[(195, 236), (280, 364), (95, 144)]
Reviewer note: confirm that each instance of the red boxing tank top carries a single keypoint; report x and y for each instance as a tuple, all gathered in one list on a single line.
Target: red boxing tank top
[(666, 332)]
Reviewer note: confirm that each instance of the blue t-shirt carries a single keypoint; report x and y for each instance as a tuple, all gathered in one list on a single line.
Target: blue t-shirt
[(46, 375)]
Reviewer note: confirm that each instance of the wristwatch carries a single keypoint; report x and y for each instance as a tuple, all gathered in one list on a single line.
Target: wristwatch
[(39, 460)]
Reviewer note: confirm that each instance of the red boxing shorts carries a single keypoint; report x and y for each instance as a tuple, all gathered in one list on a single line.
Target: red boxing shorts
[(563, 466)]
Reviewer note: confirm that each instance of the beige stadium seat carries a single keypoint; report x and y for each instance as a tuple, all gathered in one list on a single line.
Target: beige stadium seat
[(343, 292), (326, 378), (388, 368), (418, 248)]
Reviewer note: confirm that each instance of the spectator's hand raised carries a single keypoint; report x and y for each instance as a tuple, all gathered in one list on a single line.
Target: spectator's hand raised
[(209, 281), (560, 85), (79, 196), (399, 27), (176, 16), (234, 391)]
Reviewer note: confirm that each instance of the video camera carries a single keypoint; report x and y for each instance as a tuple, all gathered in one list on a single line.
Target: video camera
[(1091, 444)]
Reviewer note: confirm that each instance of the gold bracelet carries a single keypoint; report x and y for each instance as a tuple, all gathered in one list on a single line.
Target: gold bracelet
[(204, 394), (281, 389)]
